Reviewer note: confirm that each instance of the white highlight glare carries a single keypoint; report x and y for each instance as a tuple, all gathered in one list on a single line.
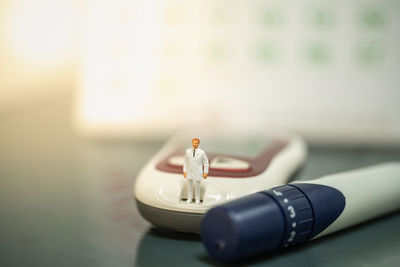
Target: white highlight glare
[(42, 31), (119, 65)]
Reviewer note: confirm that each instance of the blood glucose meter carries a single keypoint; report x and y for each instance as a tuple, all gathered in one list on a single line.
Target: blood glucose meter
[(241, 162)]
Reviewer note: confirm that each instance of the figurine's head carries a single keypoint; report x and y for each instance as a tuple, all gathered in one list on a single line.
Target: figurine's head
[(195, 143)]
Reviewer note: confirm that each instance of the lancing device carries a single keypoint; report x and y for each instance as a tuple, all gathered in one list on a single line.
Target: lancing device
[(295, 213)]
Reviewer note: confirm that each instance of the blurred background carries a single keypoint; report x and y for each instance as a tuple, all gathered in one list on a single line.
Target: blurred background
[(90, 90), (327, 70)]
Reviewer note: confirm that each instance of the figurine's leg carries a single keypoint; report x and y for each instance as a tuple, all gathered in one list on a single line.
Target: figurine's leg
[(189, 191), (198, 187)]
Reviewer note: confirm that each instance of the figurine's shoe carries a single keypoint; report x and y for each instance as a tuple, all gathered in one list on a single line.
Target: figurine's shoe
[(188, 201)]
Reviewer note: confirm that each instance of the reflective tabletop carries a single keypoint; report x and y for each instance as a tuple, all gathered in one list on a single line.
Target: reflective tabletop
[(68, 201)]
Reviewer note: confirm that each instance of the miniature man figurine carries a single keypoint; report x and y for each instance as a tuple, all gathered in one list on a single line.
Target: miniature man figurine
[(195, 167)]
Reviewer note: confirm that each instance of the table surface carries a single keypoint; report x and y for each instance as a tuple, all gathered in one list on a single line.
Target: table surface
[(68, 201)]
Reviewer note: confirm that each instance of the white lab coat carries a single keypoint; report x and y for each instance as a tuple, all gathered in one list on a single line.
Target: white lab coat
[(193, 166)]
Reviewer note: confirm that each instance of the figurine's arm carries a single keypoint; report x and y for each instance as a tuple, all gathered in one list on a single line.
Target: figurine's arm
[(185, 164), (205, 164)]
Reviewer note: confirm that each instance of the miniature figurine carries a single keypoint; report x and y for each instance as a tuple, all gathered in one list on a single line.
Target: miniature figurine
[(195, 167)]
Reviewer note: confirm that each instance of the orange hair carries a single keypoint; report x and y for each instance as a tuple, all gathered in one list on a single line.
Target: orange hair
[(196, 139)]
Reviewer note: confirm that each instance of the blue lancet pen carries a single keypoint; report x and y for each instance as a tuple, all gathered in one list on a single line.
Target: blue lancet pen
[(295, 213)]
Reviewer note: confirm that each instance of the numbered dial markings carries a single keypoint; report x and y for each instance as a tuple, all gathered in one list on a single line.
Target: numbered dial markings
[(297, 211)]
